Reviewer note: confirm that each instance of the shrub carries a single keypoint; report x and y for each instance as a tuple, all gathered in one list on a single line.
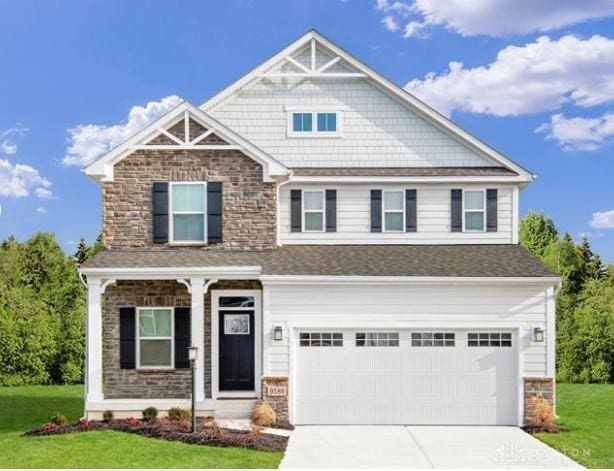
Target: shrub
[(150, 414), (180, 414), (107, 416), (543, 415), (132, 422), (263, 414), (58, 419), (49, 427)]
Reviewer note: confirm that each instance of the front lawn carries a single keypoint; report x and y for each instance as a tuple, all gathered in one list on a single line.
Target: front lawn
[(22, 408), (587, 412)]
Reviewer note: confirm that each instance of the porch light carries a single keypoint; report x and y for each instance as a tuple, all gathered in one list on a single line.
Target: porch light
[(278, 333), (192, 352), (538, 334)]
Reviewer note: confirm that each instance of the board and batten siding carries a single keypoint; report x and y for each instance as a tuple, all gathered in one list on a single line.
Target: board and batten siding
[(389, 306), (433, 217)]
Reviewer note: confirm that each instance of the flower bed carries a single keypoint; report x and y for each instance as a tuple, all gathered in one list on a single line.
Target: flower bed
[(207, 433)]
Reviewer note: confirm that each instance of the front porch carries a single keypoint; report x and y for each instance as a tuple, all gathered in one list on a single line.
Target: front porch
[(129, 369)]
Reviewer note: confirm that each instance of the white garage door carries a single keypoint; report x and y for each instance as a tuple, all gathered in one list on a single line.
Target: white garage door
[(416, 376)]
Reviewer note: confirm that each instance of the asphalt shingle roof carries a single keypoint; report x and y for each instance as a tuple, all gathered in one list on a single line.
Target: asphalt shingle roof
[(345, 260)]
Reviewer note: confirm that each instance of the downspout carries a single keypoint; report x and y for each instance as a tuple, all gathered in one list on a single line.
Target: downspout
[(277, 204)]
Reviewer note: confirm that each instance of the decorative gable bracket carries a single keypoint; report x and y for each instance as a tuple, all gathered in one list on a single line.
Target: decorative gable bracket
[(185, 128)]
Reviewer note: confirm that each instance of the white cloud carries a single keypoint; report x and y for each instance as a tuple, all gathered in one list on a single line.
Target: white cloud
[(579, 133), (390, 23), (603, 220), (41, 210), (495, 18), (8, 148), (7, 138), (539, 76), (87, 142), (18, 180)]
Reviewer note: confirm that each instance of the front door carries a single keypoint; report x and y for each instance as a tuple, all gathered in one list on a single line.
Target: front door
[(236, 355)]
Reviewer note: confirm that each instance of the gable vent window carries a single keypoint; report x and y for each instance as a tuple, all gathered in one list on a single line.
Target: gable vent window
[(314, 123), (474, 209), (188, 215)]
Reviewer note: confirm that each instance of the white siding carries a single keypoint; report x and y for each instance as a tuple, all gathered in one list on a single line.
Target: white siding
[(377, 129), (433, 211), (406, 306)]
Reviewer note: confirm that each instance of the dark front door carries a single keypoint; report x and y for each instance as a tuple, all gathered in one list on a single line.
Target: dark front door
[(236, 350)]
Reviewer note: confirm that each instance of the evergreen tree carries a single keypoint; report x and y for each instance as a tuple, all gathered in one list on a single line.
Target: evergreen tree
[(82, 253), (536, 232)]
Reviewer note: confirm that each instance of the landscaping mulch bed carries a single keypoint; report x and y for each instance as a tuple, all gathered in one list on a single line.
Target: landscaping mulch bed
[(207, 433)]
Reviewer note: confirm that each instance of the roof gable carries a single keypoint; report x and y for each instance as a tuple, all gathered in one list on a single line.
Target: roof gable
[(314, 57), (185, 127)]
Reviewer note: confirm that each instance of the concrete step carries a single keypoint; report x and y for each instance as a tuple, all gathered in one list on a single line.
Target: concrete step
[(234, 408)]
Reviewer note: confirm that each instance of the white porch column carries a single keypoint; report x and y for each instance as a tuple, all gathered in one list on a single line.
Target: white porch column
[(94, 339), (198, 334)]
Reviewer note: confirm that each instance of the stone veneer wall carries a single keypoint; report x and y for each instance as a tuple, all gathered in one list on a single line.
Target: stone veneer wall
[(249, 203), (278, 402), (152, 384), (535, 388)]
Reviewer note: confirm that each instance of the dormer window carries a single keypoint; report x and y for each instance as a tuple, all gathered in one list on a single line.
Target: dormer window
[(314, 123)]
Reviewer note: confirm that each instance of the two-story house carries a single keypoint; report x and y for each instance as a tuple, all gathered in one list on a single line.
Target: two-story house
[(329, 244)]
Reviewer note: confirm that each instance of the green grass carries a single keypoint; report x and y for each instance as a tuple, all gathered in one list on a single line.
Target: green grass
[(22, 408), (587, 412)]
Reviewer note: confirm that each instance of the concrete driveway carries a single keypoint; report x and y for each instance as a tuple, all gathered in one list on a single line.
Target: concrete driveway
[(356, 446)]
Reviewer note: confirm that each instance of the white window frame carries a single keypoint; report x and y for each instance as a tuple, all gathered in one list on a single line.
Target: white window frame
[(304, 211), (483, 211), (139, 338), (384, 210), (171, 213), (314, 122)]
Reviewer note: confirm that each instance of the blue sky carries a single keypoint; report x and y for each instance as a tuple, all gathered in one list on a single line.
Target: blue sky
[(68, 63)]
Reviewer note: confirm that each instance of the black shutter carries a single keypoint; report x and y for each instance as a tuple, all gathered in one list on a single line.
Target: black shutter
[(214, 212), (295, 211), (160, 212), (456, 206), (376, 210), (127, 338), (491, 210), (411, 217), (182, 337), (331, 210)]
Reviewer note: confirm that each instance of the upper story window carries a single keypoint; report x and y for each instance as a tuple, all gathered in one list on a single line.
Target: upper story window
[(155, 338), (313, 210), (187, 212), (474, 210), (394, 211), (314, 123)]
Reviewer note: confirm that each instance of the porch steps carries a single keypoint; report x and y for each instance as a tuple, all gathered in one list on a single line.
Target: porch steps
[(233, 409)]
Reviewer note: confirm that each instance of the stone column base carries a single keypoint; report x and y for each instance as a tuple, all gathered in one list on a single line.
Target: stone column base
[(534, 390), (275, 393)]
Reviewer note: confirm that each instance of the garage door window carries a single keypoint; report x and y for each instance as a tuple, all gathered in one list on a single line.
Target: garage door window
[(489, 339), (377, 339), (321, 339), (432, 339)]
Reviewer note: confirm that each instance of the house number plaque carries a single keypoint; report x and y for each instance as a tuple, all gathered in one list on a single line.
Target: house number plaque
[(277, 390)]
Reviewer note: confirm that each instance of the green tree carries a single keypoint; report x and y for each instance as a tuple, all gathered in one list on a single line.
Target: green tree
[(536, 232)]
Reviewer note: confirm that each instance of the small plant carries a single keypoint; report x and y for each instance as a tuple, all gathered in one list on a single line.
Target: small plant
[(58, 419), (107, 416), (132, 422), (180, 414), (83, 423), (543, 414), (263, 414), (150, 414), (49, 427)]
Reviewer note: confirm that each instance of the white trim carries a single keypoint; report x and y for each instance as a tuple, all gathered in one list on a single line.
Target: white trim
[(386, 85), (550, 334), (215, 319), (314, 211), (94, 383), (406, 280), (186, 147), (138, 365), (406, 179), (314, 133), (515, 214), (102, 168), (483, 210), (171, 213), (168, 273), (393, 211)]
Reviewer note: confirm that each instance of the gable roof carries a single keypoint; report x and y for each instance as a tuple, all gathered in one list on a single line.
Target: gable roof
[(102, 169), (363, 71)]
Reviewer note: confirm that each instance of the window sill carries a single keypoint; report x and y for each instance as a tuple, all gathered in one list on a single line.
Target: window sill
[(159, 369), (187, 244)]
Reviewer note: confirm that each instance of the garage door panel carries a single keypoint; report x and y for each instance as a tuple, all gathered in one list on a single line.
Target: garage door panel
[(405, 384)]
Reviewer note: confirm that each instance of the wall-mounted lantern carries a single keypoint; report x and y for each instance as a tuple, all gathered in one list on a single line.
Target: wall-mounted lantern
[(538, 334), (278, 333)]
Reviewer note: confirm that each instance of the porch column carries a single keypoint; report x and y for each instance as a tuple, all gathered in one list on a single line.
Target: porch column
[(198, 334), (94, 340)]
